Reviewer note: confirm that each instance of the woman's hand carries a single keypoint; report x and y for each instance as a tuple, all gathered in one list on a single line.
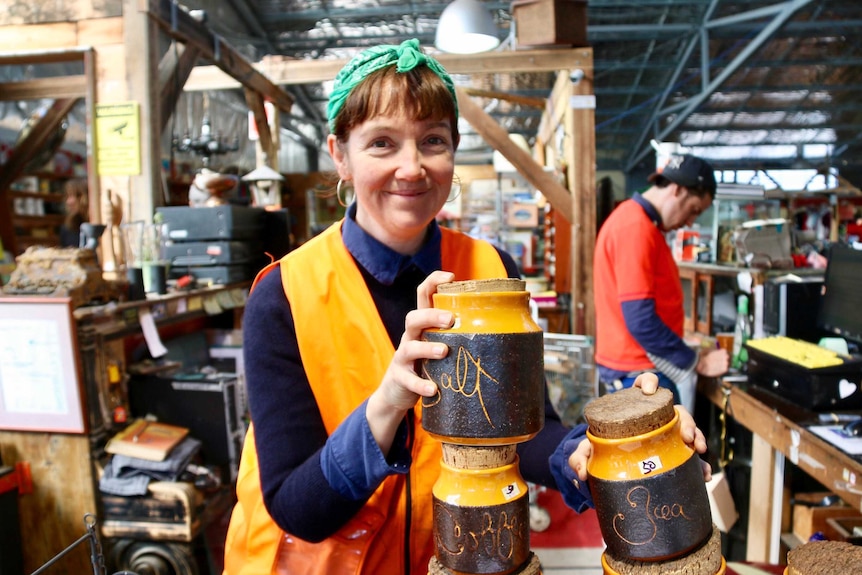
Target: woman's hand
[(402, 386), (691, 435)]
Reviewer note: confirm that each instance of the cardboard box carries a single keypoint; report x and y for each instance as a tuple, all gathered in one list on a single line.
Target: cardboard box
[(522, 215), (809, 519), (550, 23), (721, 505)]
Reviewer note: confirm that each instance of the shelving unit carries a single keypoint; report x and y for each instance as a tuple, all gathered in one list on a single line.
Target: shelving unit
[(66, 466), (37, 204)]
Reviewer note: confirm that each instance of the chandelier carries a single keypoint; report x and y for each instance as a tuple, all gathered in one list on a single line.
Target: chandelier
[(207, 144)]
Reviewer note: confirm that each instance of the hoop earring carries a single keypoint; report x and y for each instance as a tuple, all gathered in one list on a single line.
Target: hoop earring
[(456, 188), (347, 200)]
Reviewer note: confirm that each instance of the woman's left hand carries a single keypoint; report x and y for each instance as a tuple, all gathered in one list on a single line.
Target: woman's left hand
[(688, 430)]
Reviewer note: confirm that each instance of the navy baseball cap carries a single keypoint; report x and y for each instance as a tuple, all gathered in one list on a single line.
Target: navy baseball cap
[(689, 171)]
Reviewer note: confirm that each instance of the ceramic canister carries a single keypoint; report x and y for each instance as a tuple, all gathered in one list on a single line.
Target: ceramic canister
[(647, 484), (481, 519), (491, 383)]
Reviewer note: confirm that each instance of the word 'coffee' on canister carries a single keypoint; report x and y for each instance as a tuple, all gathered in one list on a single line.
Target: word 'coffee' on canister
[(647, 484), (482, 518), (491, 383)]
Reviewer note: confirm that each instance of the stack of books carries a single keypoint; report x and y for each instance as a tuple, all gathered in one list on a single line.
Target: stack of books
[(150, 440)]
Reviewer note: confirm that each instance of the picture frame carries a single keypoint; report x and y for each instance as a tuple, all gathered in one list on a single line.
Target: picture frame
[(40, 369)]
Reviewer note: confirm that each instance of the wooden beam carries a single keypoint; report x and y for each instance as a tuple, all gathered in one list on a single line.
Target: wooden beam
[(174, 70), (285, 71), (57, 86), (580, 152), (498, 137), (179, 25), (42, 56), (514, 98), (256, 105)]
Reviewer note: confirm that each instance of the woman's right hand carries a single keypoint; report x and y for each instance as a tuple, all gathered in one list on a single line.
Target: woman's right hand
[(402, 386)]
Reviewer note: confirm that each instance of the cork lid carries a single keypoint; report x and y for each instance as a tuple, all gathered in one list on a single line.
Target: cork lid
[(629, 412), (825, 557), (488, 285)]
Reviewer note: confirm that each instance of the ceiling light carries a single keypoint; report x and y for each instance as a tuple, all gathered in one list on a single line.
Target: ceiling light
[(466, 27)]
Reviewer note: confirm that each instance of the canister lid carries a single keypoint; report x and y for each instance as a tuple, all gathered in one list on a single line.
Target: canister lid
[(629, 412), (486, 285)]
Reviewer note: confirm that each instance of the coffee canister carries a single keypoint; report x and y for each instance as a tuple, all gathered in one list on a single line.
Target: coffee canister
[(481, 519), (646, 482), (491, 384)]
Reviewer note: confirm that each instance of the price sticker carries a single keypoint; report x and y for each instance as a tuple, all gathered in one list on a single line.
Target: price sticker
[(511, 491), (651, 465)]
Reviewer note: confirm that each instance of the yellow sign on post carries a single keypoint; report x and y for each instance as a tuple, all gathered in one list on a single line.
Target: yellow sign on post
[(118, 145)]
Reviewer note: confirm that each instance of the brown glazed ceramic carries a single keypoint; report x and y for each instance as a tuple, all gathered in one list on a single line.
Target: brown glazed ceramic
[(491, 383), (649, 492), (481, 519)]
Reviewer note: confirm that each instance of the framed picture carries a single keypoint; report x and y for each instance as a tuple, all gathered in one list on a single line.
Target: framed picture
[(40, 370)]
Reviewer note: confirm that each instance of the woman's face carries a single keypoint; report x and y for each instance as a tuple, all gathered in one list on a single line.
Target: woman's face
[(401, 171), (72, 203)]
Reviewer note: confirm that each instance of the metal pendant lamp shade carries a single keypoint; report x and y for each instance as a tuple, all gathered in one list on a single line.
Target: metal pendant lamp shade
[(466, 27)]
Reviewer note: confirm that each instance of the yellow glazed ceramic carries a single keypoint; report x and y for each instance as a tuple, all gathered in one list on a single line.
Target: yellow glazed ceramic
[(638, 456), (491, 384), (650, 495), (481, 519)]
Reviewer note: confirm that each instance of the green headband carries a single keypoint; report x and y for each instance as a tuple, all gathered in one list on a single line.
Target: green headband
[(406, 57)]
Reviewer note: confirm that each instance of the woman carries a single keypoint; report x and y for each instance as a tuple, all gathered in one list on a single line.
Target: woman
[(336, 471), (77, 213)]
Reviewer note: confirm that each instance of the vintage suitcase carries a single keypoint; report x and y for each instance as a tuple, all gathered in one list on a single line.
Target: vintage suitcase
[(217, 275), (169, 512), (228, 222), (216, 252)]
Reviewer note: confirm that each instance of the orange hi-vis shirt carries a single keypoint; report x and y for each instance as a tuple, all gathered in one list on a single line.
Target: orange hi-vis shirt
[(632, 261), (346, 351)]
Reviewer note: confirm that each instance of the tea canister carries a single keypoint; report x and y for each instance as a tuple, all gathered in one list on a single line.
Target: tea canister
[(647, 484), (490, 386)]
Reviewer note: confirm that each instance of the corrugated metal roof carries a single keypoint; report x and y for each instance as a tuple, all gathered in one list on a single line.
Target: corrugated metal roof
[(749, 83)]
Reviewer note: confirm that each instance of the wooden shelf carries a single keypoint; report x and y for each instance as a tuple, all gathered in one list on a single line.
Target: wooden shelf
[(121, 319), (29, 222), (37, 196)]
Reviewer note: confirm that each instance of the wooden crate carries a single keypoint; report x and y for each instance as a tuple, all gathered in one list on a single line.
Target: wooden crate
[(550, 23)]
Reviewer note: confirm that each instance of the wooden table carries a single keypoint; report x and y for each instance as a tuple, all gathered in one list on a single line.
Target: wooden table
[(779, 434)]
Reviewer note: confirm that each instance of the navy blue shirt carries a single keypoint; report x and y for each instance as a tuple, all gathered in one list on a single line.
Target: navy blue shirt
[(313, 483)]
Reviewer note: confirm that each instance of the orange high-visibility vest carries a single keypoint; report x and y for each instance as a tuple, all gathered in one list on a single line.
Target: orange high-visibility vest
[(345, 355)]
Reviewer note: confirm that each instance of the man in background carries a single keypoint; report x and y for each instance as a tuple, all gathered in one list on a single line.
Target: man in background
[(638, 294)]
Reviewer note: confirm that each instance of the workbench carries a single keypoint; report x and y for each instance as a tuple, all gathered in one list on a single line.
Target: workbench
[(779, 434)]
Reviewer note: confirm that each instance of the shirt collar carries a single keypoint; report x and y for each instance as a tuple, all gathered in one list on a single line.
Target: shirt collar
[(650, 210), (383, 263)]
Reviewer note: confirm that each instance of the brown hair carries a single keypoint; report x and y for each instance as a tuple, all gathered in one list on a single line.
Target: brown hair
[(660, 181), (419, 93), (77, 188)]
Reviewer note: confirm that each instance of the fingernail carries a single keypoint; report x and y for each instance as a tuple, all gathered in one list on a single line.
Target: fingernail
[(445, 318), (430, 389), (439, 350)]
